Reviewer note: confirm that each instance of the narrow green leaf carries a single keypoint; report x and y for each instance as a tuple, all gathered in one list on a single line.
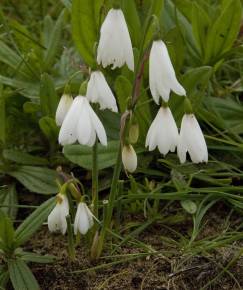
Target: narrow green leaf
[(153, 8), (21, 276), (224, 31), (54, 41), (85, 25), (195, 82), (33, 222), (2, 114), (131, 15), (13, 60), (185, 8), (48, 96), (6, 232), (123, 89), (49, 128), (4, 277), (9, 200), (32, 257), (26, 88), (36, 179), (200, 25)]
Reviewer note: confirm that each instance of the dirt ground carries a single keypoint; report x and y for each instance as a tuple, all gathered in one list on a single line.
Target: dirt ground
[(171, 270)]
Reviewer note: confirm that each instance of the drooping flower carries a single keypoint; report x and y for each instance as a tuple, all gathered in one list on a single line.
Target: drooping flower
[(191, 140), (83, 219), (57, 217), (162, 78), (163, 132), (82, 124), (98, 91), (115, 46), (62, 108), (129, 158)]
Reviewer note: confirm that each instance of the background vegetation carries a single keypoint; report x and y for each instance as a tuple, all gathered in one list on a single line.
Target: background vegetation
[(45, 44)]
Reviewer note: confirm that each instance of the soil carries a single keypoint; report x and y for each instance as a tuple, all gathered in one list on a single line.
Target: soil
[(173, 269)]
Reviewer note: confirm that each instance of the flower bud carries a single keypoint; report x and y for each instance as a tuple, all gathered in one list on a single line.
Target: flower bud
[(62, 108), (129, 158), (134, 133)]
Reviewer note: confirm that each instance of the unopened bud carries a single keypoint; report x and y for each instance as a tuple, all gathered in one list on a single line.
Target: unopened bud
[(134, 133), (129, 158), (63, 107)]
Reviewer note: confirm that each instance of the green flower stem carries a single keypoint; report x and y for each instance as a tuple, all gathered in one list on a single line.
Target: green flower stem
[(71, 248), (143, 56), (109, 211), (95, 175)]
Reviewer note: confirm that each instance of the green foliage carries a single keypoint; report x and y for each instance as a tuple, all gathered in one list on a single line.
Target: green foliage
[(36, 179), (2, 115), (85, 24), (132, 18), (38, 58), (123, 89), (21, 276), (33, 222), (23, 158), (223, 32), (82, 155), (48, 97), (15, 258), (8, 200), (52, 41), (6, 233)]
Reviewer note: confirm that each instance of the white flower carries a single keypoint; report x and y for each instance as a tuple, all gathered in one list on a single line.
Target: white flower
[(162, 78), (129, 158), (191, 140), (82, 124), (98, 91), (62, 108), (115, 46), (163, 132), (57, 217), (83, 219)]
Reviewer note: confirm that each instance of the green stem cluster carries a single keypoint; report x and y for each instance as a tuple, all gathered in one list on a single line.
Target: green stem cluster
[(95, 176), (143, 56)]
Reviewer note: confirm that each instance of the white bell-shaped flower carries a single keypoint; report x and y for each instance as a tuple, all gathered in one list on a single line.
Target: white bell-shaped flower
[(129, 158), (81, 123), (98, 91), (115, 46), (162, 78), (57, 217), (191, 140), (62, 108), (163, 132), (83, 219)]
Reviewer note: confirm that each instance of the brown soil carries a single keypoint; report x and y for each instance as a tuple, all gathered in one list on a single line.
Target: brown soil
[(169, 270)]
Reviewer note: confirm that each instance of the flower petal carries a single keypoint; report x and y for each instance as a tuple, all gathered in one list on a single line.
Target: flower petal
[(62, 108), (68, 132)]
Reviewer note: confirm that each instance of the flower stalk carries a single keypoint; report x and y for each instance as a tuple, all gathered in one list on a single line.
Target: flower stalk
[(71, 247), (95, 180), (109, 211), (139, 70)]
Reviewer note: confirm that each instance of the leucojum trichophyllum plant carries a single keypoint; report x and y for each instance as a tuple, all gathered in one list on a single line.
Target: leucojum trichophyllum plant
[(79, 122)]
